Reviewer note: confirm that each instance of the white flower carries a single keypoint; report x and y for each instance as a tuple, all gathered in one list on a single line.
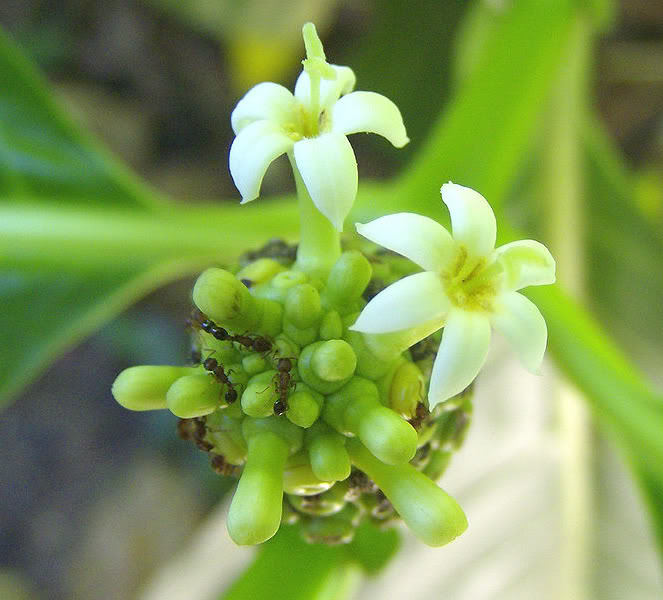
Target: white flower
[(467, 286), (311, 126)]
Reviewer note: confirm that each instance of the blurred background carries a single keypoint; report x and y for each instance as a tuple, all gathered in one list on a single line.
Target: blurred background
[(94, 497)]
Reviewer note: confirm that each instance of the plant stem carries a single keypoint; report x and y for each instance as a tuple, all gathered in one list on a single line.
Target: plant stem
[(319, 243), (566, 223)]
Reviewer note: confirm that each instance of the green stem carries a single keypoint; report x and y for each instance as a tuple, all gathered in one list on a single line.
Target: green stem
[(563, 197), (79, 237), (320, 243)]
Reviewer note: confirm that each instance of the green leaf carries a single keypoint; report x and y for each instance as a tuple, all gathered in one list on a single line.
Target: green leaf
[(289, 568)]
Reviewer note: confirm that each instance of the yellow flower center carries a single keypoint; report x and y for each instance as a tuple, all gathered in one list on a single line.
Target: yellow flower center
[(470, 282)]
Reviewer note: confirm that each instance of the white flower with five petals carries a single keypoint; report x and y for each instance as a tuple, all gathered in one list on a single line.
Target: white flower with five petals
[(311, 126), (467, 286)]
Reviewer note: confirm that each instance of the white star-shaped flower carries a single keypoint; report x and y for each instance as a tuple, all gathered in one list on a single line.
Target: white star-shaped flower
[(311, 126), (467, 285)]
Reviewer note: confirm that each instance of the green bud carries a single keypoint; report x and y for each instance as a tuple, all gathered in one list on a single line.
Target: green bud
[(227, 301), (368, 365), (194, 396), (253, 364), (327, 453), (299, 479), (428, 511), (289, 279), (347, 280), (255, 511), (303, 408), (357, 408), (259, 396), (309, 375), (303, 337), (331, 326), (302, 306), (145, 387), (260, 271), (333, 360), (407, 389)]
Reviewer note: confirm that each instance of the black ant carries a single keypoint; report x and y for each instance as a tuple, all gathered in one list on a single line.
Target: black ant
[(213, 366), (194, 430), (420, 415), (283, 381), (222, 467), (199, 320)]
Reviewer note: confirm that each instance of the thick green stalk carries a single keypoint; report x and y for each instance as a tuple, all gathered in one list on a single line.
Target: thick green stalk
[(563, 198), (319, 242)]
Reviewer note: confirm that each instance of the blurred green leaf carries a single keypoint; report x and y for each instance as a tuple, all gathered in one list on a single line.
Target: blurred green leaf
[(483, 136), (290, 569), (81, 237), (626, 251)]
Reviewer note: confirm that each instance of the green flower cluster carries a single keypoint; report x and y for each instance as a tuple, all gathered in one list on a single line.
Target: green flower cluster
[(292, 401)]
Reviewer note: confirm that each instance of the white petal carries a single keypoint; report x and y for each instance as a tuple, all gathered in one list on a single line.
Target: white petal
[(472, 218), (464, 347), (369, 112), (266, 101), (256, 146), (330, 89), (526, 262), (521, 323), (411, 301), (328, 167), (416, 237)]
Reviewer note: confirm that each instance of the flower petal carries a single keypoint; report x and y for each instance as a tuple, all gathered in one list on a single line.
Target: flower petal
[(330, 89), (266, 101), (254, 148), (464, 347), (521, 323), (472, 218), (328, 167), (411, 301), (416, 237), (369, 112), (526, 262)]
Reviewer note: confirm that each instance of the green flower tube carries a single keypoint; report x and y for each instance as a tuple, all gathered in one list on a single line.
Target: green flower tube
[(145, 387), (356, 410), (194, 396), (433, 515), (255, 511)]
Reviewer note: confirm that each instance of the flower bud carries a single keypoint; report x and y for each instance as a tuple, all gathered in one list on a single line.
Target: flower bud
[(428, 511), (145, 387), (302, 306), (347, 280), (304, 406), (356, 409), (329, 458), (226, 300), (194, 396)]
